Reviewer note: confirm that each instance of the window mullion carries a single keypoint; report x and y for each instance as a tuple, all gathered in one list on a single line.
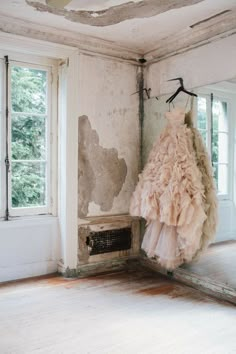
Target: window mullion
[(29, 114), (31, 161), (210, 122)]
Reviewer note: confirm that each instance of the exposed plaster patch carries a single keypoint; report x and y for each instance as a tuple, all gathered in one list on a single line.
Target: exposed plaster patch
[(59, 4), (101, 173), (114, 14)]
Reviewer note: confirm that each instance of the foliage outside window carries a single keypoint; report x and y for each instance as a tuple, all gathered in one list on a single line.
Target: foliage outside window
[(28, 137)]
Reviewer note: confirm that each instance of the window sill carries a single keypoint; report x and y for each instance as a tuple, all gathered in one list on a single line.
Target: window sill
[(27, 220)]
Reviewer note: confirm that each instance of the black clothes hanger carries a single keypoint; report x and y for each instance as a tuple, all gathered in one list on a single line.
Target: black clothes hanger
[(181, 88)]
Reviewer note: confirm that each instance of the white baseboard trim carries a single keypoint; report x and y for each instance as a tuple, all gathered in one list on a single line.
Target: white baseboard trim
[(27, 270), (204, 284)]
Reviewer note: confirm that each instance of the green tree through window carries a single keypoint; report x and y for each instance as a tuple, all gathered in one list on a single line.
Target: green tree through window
[(28, 136)]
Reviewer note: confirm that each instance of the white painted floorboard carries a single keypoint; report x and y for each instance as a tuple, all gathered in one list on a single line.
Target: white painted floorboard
[(125, 313), (217, 263)]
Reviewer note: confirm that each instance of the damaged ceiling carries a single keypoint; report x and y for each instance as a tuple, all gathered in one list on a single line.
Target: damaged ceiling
[(109, 15), (139, 24)]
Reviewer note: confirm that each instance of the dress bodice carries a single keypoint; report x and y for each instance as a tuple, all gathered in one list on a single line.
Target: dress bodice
[(176, 116)]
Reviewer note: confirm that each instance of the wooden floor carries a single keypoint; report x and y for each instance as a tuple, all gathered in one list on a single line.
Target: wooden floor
[(218, 264), (126, 313)]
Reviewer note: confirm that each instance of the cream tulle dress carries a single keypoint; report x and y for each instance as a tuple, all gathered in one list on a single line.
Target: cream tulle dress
[(170, 195)]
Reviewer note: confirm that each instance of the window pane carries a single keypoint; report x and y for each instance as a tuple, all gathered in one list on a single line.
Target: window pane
[(28, 137), (29, 90), (223, 142), (204, 135), (28, 184), (215, 170), (202, 113), (221, 176), (220, 120), (215, 147)]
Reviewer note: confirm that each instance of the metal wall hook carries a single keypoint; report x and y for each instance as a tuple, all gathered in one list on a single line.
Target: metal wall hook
[(148, 91)]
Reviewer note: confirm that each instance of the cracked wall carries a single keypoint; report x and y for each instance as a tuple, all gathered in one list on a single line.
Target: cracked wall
[(110, 16), (108, 136)]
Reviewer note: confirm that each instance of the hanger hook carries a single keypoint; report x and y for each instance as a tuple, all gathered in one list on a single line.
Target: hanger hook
[(180, 79)]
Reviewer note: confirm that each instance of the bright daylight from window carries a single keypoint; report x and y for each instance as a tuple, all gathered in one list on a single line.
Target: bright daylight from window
[(216, 137), (28, 137)]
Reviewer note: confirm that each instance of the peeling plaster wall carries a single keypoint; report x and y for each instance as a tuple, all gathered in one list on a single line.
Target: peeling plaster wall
[(109, 153), (98, 167), (153, 124), (205, 65), (108, 135)]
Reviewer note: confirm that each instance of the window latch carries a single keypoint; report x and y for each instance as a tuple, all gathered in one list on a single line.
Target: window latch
[(7, 163)]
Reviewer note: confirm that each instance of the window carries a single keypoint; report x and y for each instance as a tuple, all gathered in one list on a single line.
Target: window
[(2, 145), (213, 124), (27, 136)]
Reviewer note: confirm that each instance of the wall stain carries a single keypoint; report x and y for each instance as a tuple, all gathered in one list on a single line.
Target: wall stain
[(163, 289), (114, 14), (101, 173)]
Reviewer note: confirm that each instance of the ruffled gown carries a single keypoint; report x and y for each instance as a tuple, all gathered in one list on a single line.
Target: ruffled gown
[(170, 196)]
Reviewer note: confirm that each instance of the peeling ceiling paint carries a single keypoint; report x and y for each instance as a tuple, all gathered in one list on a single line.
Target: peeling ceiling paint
[(139, 33), (93, 5), (113, 15)]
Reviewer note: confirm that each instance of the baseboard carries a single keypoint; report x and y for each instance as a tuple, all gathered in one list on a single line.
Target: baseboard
[(28, 270), (108, 266), (204, 284)]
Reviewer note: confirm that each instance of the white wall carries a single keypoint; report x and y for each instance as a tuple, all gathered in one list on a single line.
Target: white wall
[(199, 67), (28, 247)]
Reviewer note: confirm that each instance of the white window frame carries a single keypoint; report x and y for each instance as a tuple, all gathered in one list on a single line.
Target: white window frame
[(2, 140), (227, 96), (51, 67)]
